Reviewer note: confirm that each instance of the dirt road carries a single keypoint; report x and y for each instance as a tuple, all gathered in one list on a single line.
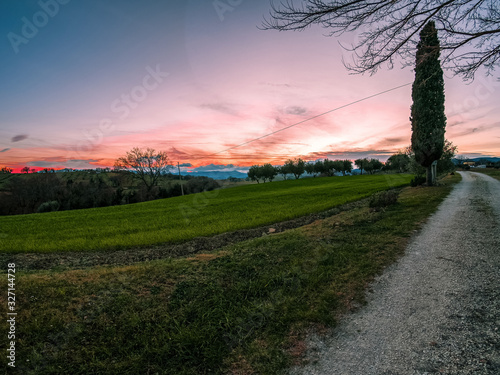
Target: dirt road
[(437, 311)]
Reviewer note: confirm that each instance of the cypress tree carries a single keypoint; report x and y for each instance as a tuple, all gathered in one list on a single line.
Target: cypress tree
[(428, 120)]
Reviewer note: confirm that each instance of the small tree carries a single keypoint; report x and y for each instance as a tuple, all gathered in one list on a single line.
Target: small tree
[(338, 165), (428, 120), (328, 166), (445, 163), (296, 167), (319, 167), (254, 173), (360, 163), (6, 170), (299, 168), (310, 169), (346, 167), (268, 171), (284, 170), (373, 165), (148, 165), (399, 162), (288, 167), (25, 170), (368, 166)]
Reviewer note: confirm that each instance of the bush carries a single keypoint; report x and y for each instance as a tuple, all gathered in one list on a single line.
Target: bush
[(384, 199), (417, 180), (200, 184), (48, 207)]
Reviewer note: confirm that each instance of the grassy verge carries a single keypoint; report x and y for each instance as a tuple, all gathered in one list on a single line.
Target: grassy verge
[(240, 310), (495, 173), (182, 218)]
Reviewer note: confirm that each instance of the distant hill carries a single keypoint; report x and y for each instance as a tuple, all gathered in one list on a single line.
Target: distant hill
[(482, 159), (218, 175), (492, 160)]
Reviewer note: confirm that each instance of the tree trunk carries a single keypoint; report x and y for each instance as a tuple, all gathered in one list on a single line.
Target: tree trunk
[(430, 180)]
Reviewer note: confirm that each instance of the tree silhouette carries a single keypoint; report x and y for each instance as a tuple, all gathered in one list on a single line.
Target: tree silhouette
[(296, 167), (399, 162), (361, 163), (386, 29), (428, 120), (269, 172), (148, 165), (347, 166)]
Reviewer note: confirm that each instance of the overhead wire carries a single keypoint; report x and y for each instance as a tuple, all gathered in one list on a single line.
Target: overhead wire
[(310, 118)]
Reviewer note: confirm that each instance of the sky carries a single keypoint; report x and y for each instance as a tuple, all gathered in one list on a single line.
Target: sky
[(83, 82)]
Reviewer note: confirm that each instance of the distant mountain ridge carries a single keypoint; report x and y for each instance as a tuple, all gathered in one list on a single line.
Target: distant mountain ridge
[(217, 175), (492, 159), (479, 159)]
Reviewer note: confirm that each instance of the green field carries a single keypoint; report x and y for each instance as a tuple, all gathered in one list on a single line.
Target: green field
[(246, 308), (495, 173), (182, 218)]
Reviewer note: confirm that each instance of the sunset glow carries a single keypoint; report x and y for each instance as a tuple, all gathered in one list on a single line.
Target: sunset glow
[(100, 78)]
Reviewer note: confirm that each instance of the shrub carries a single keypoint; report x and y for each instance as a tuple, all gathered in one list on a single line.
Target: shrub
[(200, 184), (417, 180), (48, 207), (384, 199)]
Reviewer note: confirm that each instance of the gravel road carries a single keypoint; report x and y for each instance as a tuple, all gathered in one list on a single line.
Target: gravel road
[(437, 310)]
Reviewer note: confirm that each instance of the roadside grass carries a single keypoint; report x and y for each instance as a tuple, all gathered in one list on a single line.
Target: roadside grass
[(181, 218), (243, 309), (495, 173)]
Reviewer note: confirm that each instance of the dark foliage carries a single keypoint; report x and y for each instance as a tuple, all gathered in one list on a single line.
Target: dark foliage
[(428, 120), (200, 184), (417, 181), (384, 199), (46, 192), (48, 207)]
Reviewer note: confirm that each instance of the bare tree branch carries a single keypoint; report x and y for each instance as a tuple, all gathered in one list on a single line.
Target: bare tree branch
[(469, 30), (147, 165)]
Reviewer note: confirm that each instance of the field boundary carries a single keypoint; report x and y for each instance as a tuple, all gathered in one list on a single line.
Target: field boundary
[(80, 260)]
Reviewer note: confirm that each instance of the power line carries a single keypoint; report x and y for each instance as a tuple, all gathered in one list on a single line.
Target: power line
[(309, 119)]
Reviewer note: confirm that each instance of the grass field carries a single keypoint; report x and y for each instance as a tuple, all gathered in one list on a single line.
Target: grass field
[(243, 309), (495, 173), (182, 218)]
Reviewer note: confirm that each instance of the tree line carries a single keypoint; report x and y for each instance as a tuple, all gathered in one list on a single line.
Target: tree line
[(404, 161), (141, 176), (37, 193), (45, 192), (297, 167)]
